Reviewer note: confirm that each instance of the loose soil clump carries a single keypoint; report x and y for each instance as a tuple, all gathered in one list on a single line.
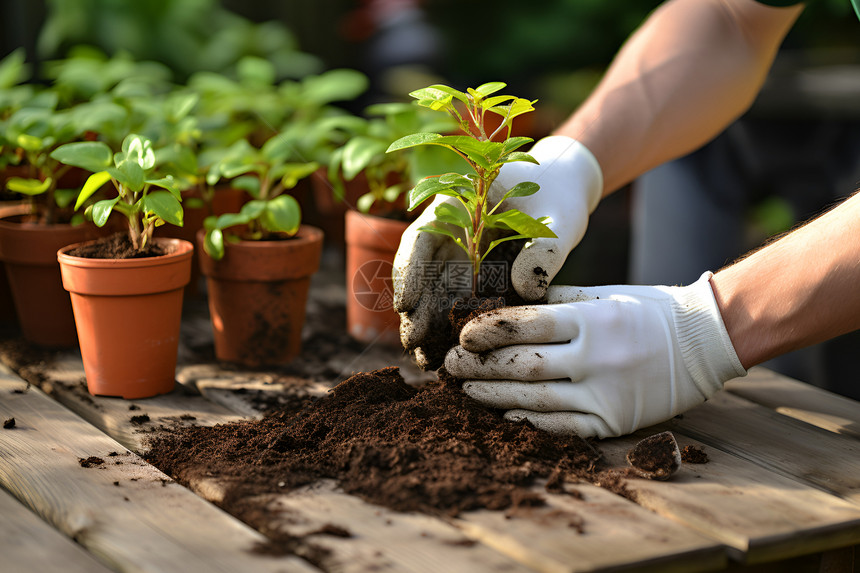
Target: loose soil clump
[(693, 455), (431, 449), (655, 457)]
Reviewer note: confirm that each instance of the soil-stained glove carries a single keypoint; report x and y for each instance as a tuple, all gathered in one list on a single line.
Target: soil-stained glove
[(599, 361), (571, 184)]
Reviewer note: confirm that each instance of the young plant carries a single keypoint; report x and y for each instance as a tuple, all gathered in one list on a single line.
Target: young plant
[(486, 150), (266, 173), (390, 175), (30, 135), (146, 199)]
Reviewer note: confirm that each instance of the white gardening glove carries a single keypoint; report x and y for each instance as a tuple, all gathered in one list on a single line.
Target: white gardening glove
[(599, 361), (571, 184)]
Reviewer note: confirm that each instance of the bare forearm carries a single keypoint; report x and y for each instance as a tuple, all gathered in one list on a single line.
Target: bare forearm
[(691, 69), (797, 291)]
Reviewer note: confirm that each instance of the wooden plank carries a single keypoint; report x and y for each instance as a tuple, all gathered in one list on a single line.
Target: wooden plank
[(760, 515), (29, 544), (799, 400), (65, 381), (379, 539), (124, 511), (594, 530), (795, 449)]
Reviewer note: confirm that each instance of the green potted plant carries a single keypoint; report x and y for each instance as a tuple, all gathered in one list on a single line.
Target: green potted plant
[(375, 223), (258, 262), (42, 221), (126, 291)]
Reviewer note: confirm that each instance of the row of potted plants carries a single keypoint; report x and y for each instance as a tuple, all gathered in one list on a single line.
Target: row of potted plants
[(220, 159)]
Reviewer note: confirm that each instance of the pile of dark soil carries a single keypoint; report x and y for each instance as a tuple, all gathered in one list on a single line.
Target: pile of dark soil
[(431, 449)]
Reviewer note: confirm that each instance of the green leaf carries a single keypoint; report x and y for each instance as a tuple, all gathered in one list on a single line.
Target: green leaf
[(283, 214), (64, 197), (490, 88), (514, 143), (523, 189), (519, 156), (128, 172), (520, 223), (138, 149), (28, 186), (427, 188), (213, 244), (94, 156), (228, 220), (439, 93), (29, 142), (253, 209), (93, 183), (497, 242), (163, 205), (365, 202), (408, 141), (101, 211), (358, 153), (448, 213), (168, 183), (249, 183), (494, 101), (447, 233), (295, 172)]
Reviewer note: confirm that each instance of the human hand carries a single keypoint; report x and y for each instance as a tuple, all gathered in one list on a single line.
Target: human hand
[(571, 184), (599, 361)]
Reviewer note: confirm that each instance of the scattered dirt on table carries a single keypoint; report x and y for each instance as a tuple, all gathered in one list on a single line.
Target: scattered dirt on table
[(9, 424), (91, 462), (430, 449), (116, 246), (139, 419), (693, 455)]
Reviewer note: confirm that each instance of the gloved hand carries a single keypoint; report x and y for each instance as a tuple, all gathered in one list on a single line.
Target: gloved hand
[(571, 184), (600, 361)]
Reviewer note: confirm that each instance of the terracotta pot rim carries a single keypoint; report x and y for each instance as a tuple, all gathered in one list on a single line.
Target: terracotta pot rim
[(305, 234), (266, 260), (175, 248), (7, 213)]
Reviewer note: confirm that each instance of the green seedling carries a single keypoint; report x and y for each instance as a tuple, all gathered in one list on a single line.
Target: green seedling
[(146, 199), (266, 174), (485, 150)]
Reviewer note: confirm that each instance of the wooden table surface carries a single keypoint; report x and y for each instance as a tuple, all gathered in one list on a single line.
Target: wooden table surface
[(781, 492)]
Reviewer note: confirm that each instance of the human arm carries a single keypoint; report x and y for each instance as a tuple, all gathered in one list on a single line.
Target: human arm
[(797, 291), (605, 361), (684, 75), (691, 69)]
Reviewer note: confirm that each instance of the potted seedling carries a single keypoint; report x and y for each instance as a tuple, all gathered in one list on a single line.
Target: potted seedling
[(127, 291), (470, 219), (43, 221), (258, 262), (375, 222)]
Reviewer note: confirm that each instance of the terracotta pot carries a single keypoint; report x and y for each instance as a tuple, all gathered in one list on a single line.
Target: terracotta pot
[(128, 314), (225, 200), (371, 243), (258, 296), (29, 253)]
